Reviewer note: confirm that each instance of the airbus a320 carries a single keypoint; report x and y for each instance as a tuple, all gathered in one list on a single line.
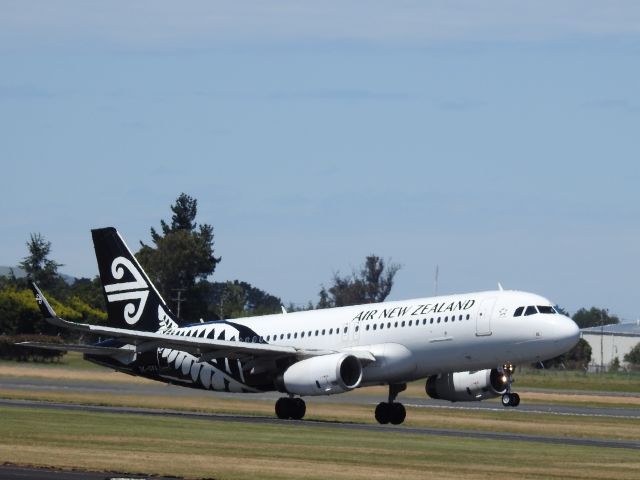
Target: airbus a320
[(465, 346)]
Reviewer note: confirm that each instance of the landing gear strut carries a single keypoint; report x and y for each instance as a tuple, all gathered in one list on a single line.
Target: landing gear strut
[(392, 412), (509, 398), (290, 407)]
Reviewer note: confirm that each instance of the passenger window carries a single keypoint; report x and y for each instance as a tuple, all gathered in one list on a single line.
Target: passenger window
[(431, 321), (357, 328), (367, 328), (316, 333), (424, 321), (395, 324), (389, 325), (403, 324), (323, 331), (381, 326), (344, 330), (531, 310), (295, 335), (468, 316), (446, 319), (375, 326), (302, 335), (331, 331), (518, 311), (410, 322)]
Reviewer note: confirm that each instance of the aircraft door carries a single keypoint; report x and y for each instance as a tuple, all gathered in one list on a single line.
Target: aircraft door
[(483, 317)]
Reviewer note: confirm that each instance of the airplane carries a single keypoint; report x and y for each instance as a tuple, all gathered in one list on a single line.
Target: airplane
[(465, 346)]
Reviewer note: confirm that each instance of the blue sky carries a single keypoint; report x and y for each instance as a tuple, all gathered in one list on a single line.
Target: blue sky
[(498, 140)]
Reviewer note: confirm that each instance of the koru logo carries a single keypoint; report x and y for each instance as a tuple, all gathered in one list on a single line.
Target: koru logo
[(120, 292)]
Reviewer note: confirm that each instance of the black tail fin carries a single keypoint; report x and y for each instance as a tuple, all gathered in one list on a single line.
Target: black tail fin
[(132, 300)]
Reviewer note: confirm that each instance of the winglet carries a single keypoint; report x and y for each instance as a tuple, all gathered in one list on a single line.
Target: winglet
[(49, 313), (43, 304)]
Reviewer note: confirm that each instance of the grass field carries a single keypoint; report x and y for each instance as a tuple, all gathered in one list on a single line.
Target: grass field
[(225, 450), (207, 449)]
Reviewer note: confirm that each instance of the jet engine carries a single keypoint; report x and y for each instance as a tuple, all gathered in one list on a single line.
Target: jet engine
[(467, 386), (322, 375)]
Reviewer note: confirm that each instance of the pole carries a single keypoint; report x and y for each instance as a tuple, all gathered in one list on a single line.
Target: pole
[(179, 300)]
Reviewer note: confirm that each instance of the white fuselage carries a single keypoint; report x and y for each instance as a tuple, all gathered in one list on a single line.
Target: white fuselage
[(414, 339)]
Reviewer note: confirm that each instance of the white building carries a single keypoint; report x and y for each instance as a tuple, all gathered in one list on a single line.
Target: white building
[(611, 341)]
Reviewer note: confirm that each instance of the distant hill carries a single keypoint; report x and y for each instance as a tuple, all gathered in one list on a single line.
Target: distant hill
[(20, 273)]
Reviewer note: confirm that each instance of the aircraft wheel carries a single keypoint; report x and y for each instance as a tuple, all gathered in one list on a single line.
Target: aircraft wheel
[(398, 413), (515, 400), (298, 408), (282, 408), (383, 413), (506, 400)]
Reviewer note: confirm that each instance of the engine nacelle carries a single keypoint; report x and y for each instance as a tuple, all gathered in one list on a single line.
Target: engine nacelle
[(467, 386), (323, 375)]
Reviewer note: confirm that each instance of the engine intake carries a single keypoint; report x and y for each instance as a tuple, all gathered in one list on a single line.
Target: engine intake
[(467, 386), (323, 375)]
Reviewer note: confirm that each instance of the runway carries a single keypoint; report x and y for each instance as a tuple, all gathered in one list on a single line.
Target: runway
[(361, 397), (328, 424)]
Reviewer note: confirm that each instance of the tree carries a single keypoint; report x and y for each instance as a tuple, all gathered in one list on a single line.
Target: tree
[(239, 299), (371, 284), (181, 258), (633, 357), (594, 317), (37, 264), (614, 366), (576, 358)]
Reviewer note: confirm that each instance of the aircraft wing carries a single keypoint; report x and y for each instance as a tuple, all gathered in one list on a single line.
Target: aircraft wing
[(69, 347), (144, 340)]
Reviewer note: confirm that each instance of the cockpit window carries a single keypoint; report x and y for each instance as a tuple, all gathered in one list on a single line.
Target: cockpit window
[(531, 310), (546, 309), (518, 311)]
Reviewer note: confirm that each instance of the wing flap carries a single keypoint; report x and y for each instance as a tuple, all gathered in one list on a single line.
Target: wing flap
[(62, 347)]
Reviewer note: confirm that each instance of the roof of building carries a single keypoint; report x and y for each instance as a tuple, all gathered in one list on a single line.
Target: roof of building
[(628, 329)]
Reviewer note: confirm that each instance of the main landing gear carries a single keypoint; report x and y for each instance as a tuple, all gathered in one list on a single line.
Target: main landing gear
[(392, 412), (509, 398), (290, 407)]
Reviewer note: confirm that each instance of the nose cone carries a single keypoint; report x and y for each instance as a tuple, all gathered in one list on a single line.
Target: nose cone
[(565, 333)]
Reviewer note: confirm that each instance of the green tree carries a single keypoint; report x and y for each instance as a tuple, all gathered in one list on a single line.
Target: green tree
[(240, 299), (37, 264), (181, 257), (371, 284), (633, 357), (614, 366), (576, 358), (594, 317)]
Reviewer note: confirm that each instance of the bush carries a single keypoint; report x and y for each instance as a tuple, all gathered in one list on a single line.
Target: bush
[(10, 351)]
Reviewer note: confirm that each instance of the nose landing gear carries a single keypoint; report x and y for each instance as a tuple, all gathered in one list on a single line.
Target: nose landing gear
[(392, 412), (509, 398)]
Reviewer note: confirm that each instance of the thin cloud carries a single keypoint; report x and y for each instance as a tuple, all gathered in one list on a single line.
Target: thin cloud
[(204, 24), (613, 104), (338, 94)]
